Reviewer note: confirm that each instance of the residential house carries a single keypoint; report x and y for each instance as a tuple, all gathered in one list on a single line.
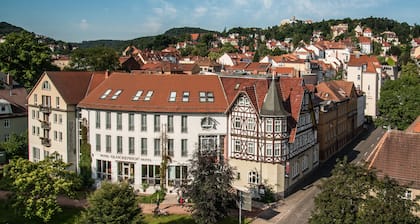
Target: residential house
[(366, 74), (365, 44), (257, 68), (129, 63), (272, 138), (339, 29), (337, 124), (13, 110), (133, 120), (53, 120), (367, 32), (396, 156), (61, 61)]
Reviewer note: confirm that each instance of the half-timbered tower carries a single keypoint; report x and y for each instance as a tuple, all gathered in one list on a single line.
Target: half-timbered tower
[(271, 132)]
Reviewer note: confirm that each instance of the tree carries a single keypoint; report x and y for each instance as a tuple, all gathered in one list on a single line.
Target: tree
[(354, 194), (37, 185), (210, 187), (85, 160), (16, 146), (112, 203), (94, 59), (228, 48), (25, 57), (399, 104)]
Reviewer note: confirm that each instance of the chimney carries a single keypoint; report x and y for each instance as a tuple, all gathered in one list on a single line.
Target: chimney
[(9, 80)]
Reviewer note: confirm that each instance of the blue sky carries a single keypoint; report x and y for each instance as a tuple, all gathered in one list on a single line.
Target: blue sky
[(76, 20)]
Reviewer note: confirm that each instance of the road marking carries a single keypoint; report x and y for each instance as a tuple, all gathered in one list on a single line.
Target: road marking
[(365, 154), (372, 145)]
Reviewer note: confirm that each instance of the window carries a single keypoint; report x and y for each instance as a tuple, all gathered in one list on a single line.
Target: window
[(251, 148), (277, 126), (157, 123), (284, 126), (106, 93), (33, 114), (131, 122), (358, 77), (131, 145), (143, 146), (55, 118), (60, 119), (295, 169), (125, 172), (108, 120), (35, 99), (150, 174), (210, 97), (208, 142), (269, 125), (277, 149), (184, 128), (253, 177), (98, 119), (143, 122), (36, 154), (60, 136), (185, 96), (119, 121), (170, 123), (46, 154), (177, 175), (37, 115), (251, 124), (157, 147), (138, 95), (46, 101), (305, 164), (237, 145), (98, 142), (237, 122), (269, 149), (184, 149), (172, 97), (148, 95), (55, 135), (202, 96), (119, 144), (108, 143), (170, 147), (6, 137), (6, 123), (103, 170), (46, 85), (57, 102), (116, 94), (37, 131), (33, 130)]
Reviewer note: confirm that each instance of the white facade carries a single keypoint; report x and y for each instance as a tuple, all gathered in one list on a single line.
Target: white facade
[(142, 163), (225, 59)]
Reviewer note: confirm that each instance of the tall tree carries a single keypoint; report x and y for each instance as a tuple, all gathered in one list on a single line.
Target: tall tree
[(16, 146), (354, 194), (94, 59), (25, 57), (112, 203), (399, 104), (210, 188), (85, 160), (37, 185)]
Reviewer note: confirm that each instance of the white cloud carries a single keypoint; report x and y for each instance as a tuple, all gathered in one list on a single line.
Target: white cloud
[(200, 11), (267, 3), (151, 27), (84, 25), (166, 9), (240, 2)]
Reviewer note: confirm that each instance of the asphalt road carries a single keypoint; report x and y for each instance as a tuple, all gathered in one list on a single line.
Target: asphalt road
[(296, 209)]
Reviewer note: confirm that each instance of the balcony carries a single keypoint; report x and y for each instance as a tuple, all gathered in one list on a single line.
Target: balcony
[(46, 141), (45, 108), (45, 125)]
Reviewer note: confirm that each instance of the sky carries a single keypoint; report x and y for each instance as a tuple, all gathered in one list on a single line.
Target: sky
[(77, 20)]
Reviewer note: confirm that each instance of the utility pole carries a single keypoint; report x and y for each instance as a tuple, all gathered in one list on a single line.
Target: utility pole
[(240, 207)]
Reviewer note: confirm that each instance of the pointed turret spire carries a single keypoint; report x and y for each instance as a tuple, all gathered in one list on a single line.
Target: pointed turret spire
[(273, 102)]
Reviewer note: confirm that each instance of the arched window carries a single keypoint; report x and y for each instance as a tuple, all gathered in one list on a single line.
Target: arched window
[(46, 85), (253, 177)]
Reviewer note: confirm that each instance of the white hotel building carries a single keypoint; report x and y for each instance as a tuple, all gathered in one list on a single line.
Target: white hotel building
[(133, 118)]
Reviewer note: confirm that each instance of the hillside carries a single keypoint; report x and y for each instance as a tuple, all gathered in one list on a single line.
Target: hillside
[(6, 28), (186, 30)]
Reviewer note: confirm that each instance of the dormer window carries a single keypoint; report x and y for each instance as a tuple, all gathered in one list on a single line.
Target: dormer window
[(185, 96), (46, 85), (116, 94), (148, 95), (172, 97), (106, 93), (137, 96), (206, 97)]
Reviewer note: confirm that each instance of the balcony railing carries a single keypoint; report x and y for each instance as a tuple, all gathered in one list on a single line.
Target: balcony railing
[(45, 108), (45, 125), (46, 141)]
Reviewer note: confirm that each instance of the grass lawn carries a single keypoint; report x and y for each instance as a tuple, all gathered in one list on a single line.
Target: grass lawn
[(181, 219), (8, 215)]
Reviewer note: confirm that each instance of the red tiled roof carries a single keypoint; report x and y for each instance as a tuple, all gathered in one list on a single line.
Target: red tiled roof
[(72, 86), (162, 86), (415, 126), (335, 90), (370, 61), (397, 156), (283, 70), (194, 36), (16, 97), (257, 66), (364, 40)]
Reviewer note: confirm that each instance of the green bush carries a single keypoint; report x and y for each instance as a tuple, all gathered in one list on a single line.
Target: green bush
[(153, 198)]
